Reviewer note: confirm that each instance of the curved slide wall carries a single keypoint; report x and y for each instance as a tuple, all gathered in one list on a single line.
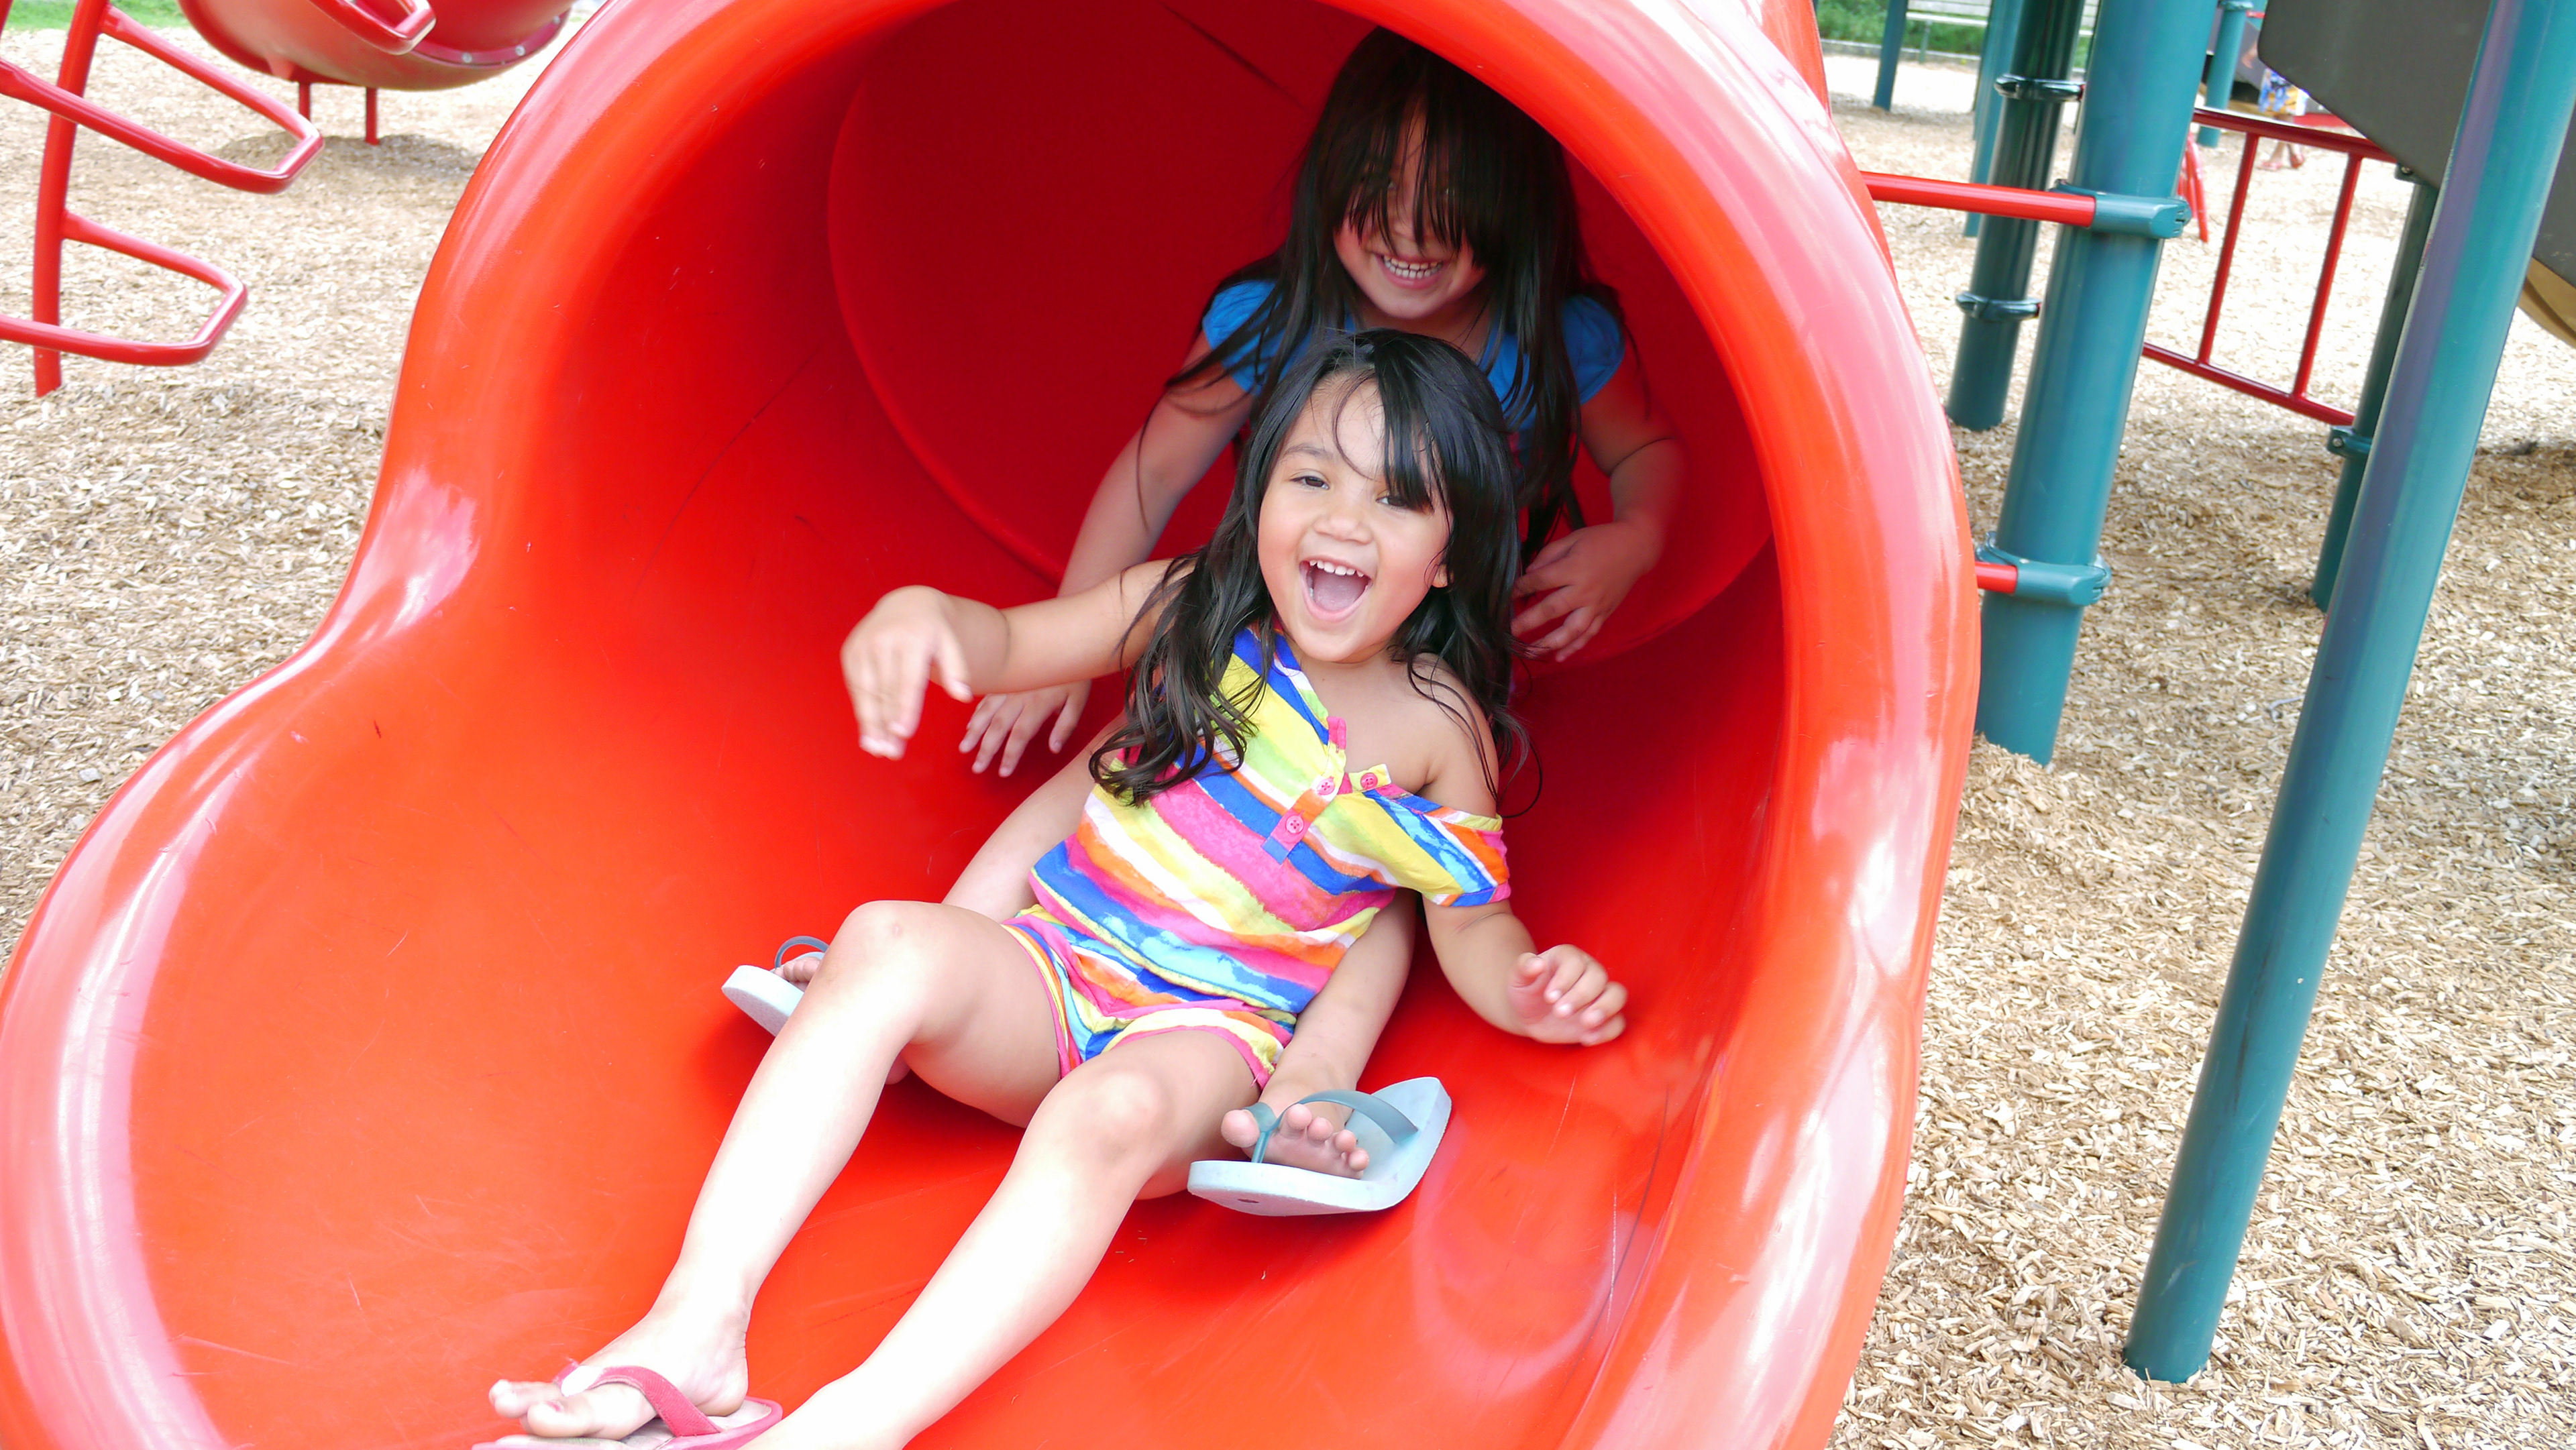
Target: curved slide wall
[(368, 1046)]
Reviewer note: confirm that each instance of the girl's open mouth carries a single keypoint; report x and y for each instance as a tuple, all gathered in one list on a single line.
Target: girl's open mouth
[(1410, 274), (1332, 589)]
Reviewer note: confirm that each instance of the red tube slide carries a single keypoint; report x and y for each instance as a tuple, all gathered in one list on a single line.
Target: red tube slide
[(368, 1047)]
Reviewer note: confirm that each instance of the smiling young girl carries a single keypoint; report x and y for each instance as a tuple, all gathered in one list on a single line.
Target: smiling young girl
[(1426, 203), (1316, 718)]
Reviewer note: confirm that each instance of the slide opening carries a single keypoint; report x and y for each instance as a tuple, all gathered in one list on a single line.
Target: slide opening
[(759, 310)]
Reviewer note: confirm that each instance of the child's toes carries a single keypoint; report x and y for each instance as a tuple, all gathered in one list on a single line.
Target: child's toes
[(515, 1397), (609, 1412), (1239, 1128)]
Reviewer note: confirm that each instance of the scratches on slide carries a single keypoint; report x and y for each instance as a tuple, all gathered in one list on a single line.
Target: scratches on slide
[(1239, 58)]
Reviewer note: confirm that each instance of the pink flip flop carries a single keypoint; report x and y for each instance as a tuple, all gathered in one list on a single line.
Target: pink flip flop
[(682, 1426)]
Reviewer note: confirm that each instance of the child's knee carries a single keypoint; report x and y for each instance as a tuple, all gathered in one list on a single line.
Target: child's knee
[(1127, 1119), (881, 944)]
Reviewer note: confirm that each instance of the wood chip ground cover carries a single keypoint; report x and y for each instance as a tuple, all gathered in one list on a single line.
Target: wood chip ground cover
[(164, 536)]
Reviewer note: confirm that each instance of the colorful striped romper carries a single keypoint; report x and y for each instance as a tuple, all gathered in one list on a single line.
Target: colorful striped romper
[(1222, 904)]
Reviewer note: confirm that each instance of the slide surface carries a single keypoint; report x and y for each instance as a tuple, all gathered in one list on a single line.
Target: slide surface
[(369, 1048)]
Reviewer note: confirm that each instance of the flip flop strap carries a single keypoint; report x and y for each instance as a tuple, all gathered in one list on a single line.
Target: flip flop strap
[(1376, 1109), (788, 948), (685, 1419)]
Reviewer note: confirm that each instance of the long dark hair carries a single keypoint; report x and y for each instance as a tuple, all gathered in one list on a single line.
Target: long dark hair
[(1490, 178), (1445, 445)]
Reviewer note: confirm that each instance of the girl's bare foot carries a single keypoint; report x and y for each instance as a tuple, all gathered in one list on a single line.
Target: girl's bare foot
[(700, 1354), (1305, 1139)]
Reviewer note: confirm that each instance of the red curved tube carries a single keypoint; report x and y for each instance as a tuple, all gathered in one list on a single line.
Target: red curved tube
[(395, 45), (56, 224), (742, 292), (57, 338), (71, 105)]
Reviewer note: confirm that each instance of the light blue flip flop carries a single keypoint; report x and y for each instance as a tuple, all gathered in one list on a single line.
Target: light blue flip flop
[(1400, 1124), (763, 995)]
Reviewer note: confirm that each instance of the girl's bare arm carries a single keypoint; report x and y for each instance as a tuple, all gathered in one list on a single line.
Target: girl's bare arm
[(1339, 1029), (1583, 577), (1184, 434), (916, 635), (1560, 995), (1167, 457)]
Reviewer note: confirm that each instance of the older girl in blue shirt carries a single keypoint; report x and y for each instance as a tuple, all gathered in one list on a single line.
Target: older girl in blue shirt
[(1426, 203)]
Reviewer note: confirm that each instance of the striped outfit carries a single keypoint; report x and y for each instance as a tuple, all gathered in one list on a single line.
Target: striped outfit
[(1223, 903)]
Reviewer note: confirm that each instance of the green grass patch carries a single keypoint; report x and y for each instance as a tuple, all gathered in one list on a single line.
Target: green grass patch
[(57, 14), (1862, 21)]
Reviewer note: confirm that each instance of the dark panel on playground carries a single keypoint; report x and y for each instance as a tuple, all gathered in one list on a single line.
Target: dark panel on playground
[(2398, 70)]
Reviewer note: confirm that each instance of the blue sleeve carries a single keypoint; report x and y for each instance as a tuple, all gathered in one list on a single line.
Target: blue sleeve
[(1594, 344), (1229, 309)]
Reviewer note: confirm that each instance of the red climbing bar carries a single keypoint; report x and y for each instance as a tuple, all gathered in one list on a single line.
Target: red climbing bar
[(2298, 403), (1997, 578), (2356, 149), (2226, 253), (2310, 133), (2064, 208), (2326, 275)]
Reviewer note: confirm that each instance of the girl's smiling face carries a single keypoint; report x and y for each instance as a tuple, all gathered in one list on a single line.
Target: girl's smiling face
[(1346, 565), (1409, 277)]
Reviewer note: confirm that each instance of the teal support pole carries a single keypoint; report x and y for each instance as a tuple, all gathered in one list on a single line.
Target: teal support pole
[(2511, 128), (2137, 118), (1891, 44), (2222, 61), (2003, 25), (2025, 147), (2353, 443)]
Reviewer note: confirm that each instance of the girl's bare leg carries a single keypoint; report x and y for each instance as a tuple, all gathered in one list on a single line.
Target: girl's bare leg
[(951, 991), (1123, 1126)]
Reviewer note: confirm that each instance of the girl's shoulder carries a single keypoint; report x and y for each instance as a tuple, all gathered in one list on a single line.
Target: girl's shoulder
[(1449, 730), (1595, 343), (1234, 304)]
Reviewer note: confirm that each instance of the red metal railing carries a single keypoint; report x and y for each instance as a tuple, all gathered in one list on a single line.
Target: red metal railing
[(2256, 130), (56, 224), (2067, 208)]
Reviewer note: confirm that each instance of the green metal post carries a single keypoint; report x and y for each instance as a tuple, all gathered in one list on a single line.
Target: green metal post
[(2506, 151), (2137, 119), (2025, 148), (1891, 44), (2353, 443), (2222, 61), (1994, 59)]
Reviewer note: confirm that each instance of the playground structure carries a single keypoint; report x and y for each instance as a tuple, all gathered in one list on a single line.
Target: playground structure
[(393, 45), (388, 44), (2408, 446), (688, 386)]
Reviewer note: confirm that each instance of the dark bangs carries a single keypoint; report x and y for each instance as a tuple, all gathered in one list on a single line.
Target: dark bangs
[(1445, 445)]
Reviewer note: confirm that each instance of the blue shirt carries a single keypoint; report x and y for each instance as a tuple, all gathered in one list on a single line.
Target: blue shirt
[(1593, 343)]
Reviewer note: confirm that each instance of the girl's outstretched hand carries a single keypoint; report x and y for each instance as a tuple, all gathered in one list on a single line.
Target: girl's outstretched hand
[(1584, 576), (1563, 995), (1007, 723), (891, 658)]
